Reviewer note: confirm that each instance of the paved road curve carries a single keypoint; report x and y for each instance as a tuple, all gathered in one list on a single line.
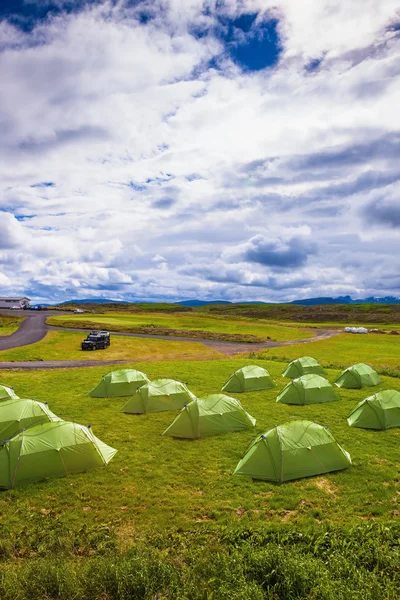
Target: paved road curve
[(32, 330)]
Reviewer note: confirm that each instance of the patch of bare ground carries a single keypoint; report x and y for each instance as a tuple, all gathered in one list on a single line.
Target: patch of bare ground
[(203, 519), (287, 515), (381, 461), (264, 495), (126, 535), (325, 485)]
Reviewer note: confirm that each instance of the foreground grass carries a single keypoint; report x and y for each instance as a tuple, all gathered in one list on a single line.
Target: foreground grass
[(325, 563), (65, 345), (9, 324), (185, 322), (167, 520), (379, 351)]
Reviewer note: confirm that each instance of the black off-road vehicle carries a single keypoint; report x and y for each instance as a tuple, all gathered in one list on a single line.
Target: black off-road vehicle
[(96, 340)]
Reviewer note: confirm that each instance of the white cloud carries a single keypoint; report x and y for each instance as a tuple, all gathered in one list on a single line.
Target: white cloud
[(164, 168)]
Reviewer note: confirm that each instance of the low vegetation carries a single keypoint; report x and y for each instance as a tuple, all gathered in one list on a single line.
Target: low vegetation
[(9, 324), (321, 313), (187, 325), (324, 563), (347, 314), (66, 345)]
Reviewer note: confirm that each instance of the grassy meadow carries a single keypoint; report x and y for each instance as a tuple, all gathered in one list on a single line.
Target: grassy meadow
[(344, 314), (9, 324), (168, 520), (186, 323), (379, 351), (66, 345)]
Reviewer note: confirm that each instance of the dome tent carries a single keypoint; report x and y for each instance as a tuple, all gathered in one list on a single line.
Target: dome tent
[(123, 382), (380, 411), (291, 451), (303, 366), (358, 376), (248, 379), (7, 393), (308, 389), (22, 413), (159, 395), (208, 416), (50, 450)]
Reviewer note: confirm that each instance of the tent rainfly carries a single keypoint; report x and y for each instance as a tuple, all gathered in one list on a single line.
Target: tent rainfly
[(303, 366), (51, 450), (7, 393), (358, 376), (291, 451), (208, 416), (308, 389), (20, 414), (159, 395), (380, 411), (248, 379), (123, 382)]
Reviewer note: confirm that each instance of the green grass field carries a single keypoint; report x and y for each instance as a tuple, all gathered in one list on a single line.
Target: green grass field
[(65, 345), (379, 351), (159, 482), (168, 520), (186, 322), (9, 324)]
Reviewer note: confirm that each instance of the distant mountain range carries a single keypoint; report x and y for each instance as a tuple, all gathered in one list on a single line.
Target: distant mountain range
[(305, 302), (194, 302), (93, 301), (347, 300)]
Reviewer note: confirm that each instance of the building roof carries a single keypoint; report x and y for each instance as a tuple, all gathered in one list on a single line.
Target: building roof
[(13, 298)]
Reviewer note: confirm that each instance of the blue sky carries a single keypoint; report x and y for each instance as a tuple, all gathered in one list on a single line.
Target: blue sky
[(237, 149)]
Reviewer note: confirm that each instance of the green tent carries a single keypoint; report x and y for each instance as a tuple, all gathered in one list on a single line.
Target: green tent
[(308, 389), (51, 450), (248, 379), (358, 376), (159, 395), (6, 393), (123, 382), (303, 366), (20, 414), (212, 415), (380, 411), (293, 450)]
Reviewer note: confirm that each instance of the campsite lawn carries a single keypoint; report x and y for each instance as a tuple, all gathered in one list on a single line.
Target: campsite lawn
[(65, 345), (379, 351), (157, 483), (186, 322)]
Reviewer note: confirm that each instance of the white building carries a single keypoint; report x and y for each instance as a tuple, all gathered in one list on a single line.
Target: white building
[(14, 302)]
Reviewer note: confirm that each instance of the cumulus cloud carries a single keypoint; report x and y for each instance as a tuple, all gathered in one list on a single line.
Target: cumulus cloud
[(279, 253), (383, 211), (143, 158)]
